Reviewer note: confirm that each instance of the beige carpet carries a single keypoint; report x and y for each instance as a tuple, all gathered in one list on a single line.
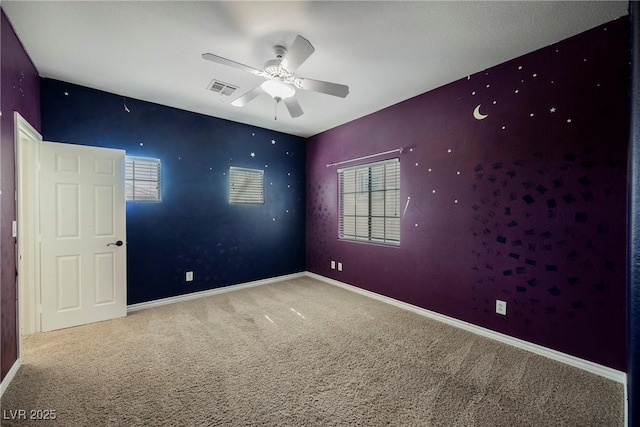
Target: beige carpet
[(297, 353)]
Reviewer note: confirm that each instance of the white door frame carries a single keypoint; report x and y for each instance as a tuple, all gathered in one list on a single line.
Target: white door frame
[(27, 146)]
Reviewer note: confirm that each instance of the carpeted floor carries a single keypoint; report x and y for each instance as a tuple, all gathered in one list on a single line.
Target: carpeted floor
[(296, 353)]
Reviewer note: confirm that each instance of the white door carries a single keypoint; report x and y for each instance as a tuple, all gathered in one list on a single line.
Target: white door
[(82, 226)]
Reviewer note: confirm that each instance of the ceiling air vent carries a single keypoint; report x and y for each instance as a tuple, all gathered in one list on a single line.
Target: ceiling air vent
[(222, 88)]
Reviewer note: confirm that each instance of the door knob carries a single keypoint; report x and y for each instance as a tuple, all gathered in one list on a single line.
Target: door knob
[(118, 243)]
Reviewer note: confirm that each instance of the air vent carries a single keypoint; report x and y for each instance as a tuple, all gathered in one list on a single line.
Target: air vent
[(217, 86), (222, 88)]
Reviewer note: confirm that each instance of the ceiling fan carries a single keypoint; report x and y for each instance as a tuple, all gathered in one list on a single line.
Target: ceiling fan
[(280, 82)]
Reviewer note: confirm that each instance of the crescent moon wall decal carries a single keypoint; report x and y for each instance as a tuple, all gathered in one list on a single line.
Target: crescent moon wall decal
[(477, 115)]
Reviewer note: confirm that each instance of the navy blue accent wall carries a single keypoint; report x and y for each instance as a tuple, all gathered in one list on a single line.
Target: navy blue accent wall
[(194, 228), (633, 347)]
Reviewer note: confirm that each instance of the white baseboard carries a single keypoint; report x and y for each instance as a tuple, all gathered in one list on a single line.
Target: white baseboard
[(626, 405), (9, 377), (186, 297), (594, 368)]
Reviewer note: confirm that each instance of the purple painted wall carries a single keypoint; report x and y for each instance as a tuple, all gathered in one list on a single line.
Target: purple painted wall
[(527, 205), (20, 91)]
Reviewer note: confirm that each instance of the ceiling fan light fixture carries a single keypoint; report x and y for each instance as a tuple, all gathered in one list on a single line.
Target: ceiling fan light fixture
[(278, 89)]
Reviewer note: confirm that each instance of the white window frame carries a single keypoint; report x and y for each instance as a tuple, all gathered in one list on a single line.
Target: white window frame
[(369, 203), (142, 174), (246, 186)]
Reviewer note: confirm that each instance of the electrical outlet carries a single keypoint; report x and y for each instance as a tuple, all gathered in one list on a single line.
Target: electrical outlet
[(189, 277), (333, 265), (501, 307), (339, 266)]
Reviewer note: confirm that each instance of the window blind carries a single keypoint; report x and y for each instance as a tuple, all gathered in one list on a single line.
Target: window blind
[(142, 179), (246, 185), (369, 202)]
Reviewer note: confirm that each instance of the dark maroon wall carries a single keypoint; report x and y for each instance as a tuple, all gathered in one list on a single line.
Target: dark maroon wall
[(633, 303), (20, 91), (526, 205)]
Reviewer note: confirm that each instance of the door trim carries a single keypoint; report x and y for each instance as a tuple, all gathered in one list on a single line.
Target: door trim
[(27, 146)]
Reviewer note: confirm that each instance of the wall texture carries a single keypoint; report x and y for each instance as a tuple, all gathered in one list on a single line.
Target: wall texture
[(20, 92), (633, 315), (524, 201), (194, 228)]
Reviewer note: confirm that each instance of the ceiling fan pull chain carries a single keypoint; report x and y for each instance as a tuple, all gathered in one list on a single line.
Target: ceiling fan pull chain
[(275, 110)]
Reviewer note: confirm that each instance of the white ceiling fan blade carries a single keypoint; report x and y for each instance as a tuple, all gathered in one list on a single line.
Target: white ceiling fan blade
[(230, 63), (293, 106), (244, 99), (334, 89), (299, 51)]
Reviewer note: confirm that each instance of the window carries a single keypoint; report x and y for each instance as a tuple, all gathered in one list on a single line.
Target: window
[(142, 179), (369, 202), (246, 185)]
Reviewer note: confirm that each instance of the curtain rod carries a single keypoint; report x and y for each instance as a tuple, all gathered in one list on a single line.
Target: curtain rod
[(397, 150)]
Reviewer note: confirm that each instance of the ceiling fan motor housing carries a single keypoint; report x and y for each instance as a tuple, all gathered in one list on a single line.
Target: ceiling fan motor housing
[(272, 70)]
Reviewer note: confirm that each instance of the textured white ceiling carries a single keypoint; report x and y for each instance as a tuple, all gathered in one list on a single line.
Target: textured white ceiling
[(385, 51)]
